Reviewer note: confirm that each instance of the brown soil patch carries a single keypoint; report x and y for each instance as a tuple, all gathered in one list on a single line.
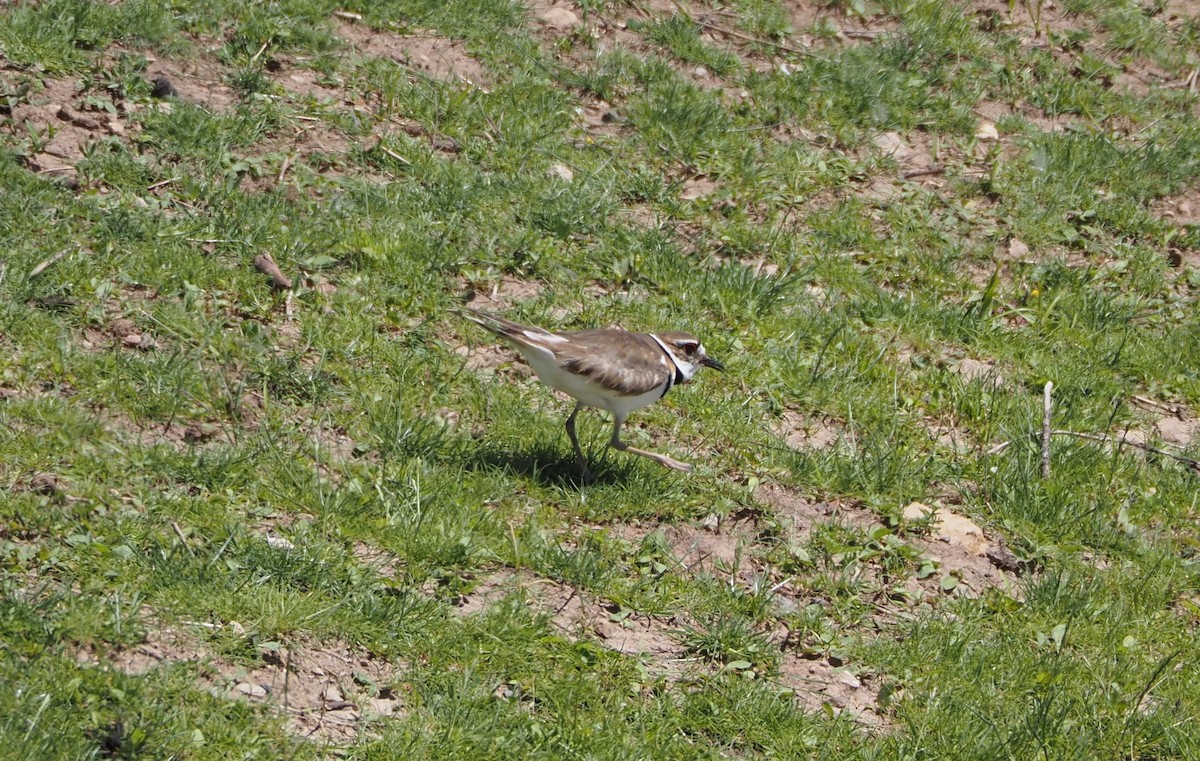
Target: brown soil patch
[(495, 587), (1177, 431), (639, 636), (949, 437), (803, 513), (814, 682), (598, 118), (161, 645), (959, 547), (1175, 424), (500, 295), (961, 550), (180, 434), (993, 111), (883, 191), (972, 370), (1057, 23), (721, 546), (555, 18), (1182, 209), (695, 188), (54, 112), (699, 549), (816, 20), (801, 432), (719, 549), (912, 154), (580, 616), (312, 143), (386, 564), (429, 54), (332, 443), (306, 83), (596, 32), (316, 137), (492, 358), (654, 640), (817, 683), (200, 81), (328, 692)]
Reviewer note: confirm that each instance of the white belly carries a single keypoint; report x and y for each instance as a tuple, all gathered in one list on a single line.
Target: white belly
[(591, 394)]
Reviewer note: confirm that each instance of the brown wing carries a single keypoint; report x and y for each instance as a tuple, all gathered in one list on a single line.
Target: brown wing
[(631, 364)]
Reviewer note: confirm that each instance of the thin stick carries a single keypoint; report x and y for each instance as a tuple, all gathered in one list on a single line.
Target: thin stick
[(46, 264), (751, 38), (924, 172), (782, 584), (1187, 83), (182, 538), (266, 265), (347, 15), (1170, 409), (999, 448), (287, 162), (1103, 437), (1047, 407), (395, 155), (1107, 439), (160, 183)]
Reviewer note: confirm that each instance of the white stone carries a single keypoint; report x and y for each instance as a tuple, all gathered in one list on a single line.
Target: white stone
[(557, 17), (561, 171)]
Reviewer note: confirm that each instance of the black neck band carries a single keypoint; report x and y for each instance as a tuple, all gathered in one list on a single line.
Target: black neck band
[(679, 377)]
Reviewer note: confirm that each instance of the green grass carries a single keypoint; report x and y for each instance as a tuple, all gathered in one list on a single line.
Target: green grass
[(141, 485)]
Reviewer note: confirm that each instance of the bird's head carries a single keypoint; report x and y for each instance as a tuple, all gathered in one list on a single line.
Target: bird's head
[(688, 353)]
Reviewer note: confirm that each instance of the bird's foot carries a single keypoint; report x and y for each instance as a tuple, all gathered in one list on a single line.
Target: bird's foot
[(661, 459)]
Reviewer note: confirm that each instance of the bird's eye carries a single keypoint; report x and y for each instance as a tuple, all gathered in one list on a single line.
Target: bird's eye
[(691, 348)]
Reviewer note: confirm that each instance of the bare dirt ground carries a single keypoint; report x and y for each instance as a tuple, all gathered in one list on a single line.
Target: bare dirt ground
[(427, 54), (324, 691)]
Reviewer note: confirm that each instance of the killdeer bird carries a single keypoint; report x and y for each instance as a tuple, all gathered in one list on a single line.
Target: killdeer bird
[(613, 370)]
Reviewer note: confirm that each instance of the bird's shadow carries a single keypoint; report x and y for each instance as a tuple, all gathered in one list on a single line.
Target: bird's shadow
[(550, 465)]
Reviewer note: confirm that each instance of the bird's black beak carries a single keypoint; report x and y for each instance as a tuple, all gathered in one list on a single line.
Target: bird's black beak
[(714, 364)]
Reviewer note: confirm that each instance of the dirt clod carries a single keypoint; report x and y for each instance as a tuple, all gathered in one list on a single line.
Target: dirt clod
[(46, 484), (163, 88)]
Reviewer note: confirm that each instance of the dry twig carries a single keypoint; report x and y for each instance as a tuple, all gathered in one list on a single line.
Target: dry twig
[(287, 163), (1105, 438), (46, 264), (933, 170), (1047, 408), (1170, 409), (1121, 440), (751, 38)]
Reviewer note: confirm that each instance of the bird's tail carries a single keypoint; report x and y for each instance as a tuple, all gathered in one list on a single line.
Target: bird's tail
[(493, 323)]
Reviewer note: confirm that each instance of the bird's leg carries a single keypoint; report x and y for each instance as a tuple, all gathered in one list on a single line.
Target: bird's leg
[(661, 459), (579, 458)]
